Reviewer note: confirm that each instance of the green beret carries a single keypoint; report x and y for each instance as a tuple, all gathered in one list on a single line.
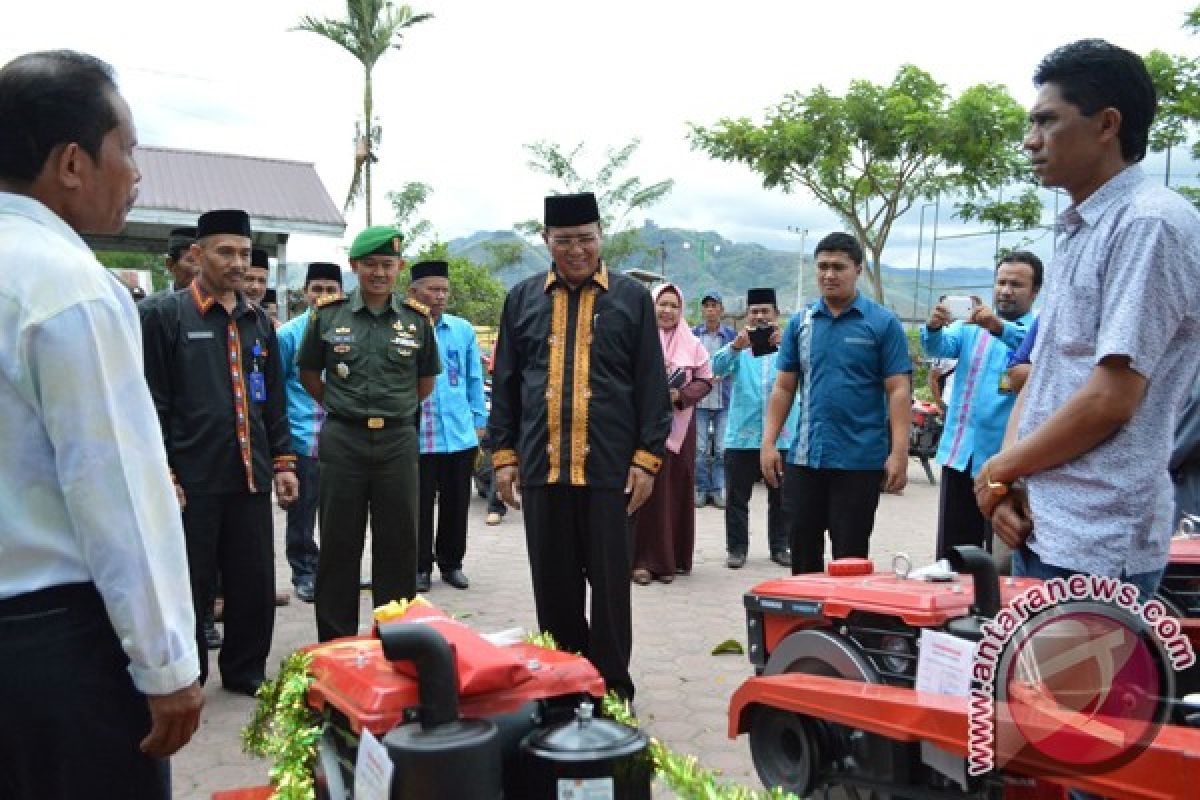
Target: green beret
[(382, 239)]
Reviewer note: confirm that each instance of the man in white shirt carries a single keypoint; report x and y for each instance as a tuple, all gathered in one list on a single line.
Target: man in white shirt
[(98, 660)]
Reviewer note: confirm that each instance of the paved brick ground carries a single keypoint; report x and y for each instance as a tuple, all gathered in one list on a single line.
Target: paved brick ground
[(683, 691)]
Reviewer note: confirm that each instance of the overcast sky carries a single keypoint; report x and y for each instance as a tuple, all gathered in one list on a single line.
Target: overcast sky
[(483, 77)]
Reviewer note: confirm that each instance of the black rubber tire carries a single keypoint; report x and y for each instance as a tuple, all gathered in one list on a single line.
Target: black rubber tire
[(785, 749)]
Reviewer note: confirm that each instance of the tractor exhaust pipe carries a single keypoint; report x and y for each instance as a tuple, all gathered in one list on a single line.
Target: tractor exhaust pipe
[(978, 563), (437, 674)]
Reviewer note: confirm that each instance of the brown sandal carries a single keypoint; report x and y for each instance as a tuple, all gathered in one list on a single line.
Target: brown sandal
[(642, 577)]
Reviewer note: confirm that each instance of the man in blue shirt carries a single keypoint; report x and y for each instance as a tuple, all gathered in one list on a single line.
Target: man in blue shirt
[(712, 412), (749, 371), (304, 418), (982, 398), (452, 419), (848, 356)]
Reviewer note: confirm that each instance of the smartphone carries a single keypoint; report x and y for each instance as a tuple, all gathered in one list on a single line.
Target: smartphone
[(760, 341), (959, 305)]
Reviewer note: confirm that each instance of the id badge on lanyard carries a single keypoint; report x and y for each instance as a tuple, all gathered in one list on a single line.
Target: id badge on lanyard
[(256, 383)]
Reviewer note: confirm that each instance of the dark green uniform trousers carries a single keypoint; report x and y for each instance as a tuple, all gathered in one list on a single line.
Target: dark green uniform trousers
[(365, 471)]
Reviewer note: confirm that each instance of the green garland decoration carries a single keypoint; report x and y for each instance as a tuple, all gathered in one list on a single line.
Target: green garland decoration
[(682, 773), (283, 728)]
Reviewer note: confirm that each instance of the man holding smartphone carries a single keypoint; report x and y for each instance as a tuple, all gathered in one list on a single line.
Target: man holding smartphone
[(980, 401), (748, 364)]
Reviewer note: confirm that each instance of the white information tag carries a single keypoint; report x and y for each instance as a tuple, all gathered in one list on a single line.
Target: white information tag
[(372, 769), (582, 789), (944, 664)]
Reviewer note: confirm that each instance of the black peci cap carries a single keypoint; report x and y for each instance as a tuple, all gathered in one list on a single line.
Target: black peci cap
[(564, 210), (229, 221)]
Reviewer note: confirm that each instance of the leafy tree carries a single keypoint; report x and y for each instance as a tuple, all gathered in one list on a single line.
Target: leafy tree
[(506, 253), (871, 154), (1177, 81), (369, 29), (474, 294), (114, 259), (1021, 212), (406, 204), (616, 197)]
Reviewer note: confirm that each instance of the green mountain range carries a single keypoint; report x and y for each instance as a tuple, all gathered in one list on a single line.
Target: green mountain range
[(699, 261)]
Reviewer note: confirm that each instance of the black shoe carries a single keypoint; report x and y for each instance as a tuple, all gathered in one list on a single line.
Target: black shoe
[(735, 560), (783, 558), (212, 636), (249, 689), (305, 591), (423, 582), (456, 578)]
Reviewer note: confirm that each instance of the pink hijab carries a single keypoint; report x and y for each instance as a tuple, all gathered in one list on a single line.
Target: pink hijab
[(681, 350)]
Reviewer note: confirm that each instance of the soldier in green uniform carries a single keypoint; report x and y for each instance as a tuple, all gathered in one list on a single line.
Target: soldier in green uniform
[(369, 358)]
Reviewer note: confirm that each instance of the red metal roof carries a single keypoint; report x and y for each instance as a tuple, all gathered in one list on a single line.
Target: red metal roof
[(266, 188)]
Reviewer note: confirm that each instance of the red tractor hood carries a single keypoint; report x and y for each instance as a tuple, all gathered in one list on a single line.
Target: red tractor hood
[(919, 603)]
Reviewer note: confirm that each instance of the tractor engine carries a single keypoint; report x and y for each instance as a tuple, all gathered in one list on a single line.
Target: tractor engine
[(855, 624)]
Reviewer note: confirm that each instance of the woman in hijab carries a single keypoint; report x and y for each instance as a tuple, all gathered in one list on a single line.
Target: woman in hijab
[(665, 530)]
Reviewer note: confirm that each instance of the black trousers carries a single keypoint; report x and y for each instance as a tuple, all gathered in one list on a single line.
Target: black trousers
[(959, 520), (841, 501), (445, 482), (231, 534), (301, 545), (71, 719), (365, 472), (742, 470), (578, 537)]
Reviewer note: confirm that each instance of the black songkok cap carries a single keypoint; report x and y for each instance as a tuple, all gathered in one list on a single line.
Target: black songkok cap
[(758, 297), (270, 297), (430, 269), (224, 221), (258, 258), (179, 240), (323, 271), (564, 210)]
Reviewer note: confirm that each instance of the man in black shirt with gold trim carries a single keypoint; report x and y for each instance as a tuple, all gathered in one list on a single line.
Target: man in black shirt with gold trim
[(212, 364), (580, 415)]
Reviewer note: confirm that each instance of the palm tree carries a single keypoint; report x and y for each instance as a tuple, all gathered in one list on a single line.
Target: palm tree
[(369, 28)]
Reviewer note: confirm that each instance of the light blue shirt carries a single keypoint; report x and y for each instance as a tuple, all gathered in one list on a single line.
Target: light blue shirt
[(85, 491), (305, 417), (978, 411), (841, 364), (455, 408), (751, 381)]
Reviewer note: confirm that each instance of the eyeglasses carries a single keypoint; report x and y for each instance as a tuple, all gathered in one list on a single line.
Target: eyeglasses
[(567, 242)]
